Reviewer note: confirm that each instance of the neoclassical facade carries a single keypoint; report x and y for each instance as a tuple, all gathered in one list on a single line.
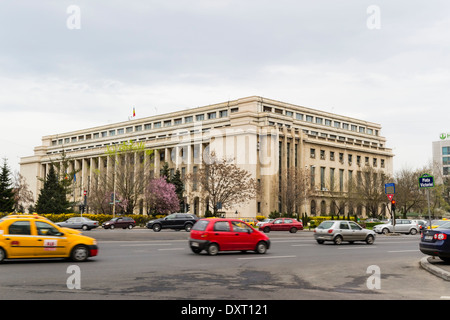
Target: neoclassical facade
[(264, 136)]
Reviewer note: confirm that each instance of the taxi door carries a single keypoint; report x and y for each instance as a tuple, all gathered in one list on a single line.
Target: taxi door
[(19, 240), (50, 241)]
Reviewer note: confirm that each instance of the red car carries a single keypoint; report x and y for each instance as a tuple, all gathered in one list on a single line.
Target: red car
[(214, 235), (282, 224)]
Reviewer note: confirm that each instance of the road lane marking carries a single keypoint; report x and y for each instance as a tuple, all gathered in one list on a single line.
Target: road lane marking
[(145, 244), (171, 249), (362, 247), (275, 257), (302, 245), (397, 251)]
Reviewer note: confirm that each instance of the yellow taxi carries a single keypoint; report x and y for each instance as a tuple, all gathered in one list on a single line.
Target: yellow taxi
[(33, 236), (250, 221)]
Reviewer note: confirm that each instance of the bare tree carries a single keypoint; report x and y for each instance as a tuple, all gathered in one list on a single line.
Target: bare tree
[(294, 189), (223, 183), (368, 190), (22, 193), (128, 177)]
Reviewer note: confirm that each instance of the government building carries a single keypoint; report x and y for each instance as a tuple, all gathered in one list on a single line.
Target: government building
[(271, 139)]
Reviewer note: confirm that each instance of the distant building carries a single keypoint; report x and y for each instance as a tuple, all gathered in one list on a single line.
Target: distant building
[(264, 136), (441, 158)]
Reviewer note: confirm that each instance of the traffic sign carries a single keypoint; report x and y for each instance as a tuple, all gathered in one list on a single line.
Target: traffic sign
[(389, 188), (390, 196), (426, 181)]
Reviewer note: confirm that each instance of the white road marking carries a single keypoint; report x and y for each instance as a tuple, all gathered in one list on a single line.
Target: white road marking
[(269, 257)]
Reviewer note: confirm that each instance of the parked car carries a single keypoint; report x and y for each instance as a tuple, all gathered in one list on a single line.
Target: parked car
[(176, 221), (260, 223), (214, 235), (420, 223), (120, 222), (436, 242), (282, 224), (435, 223), (401, 226), (79, 223), (250, 221), (33, 236), (342, 230)]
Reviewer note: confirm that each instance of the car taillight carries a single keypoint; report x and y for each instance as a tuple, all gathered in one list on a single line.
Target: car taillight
[(330, 230), (440, 236)]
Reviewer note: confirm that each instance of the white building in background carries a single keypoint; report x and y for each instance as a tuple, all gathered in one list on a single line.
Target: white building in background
[(264, 136), (441, 158)]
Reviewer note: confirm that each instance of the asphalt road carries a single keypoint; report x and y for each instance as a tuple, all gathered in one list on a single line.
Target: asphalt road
[(141, 264)]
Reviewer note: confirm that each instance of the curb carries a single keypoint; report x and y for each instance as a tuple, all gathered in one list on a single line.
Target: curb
[(430, 267)]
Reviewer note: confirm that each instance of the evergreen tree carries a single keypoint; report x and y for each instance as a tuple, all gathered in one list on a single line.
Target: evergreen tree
[(6, 190), (165, 172), (179, 186), (52, 198)]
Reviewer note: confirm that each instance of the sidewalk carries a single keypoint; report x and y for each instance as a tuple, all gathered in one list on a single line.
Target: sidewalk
[(436, 266)]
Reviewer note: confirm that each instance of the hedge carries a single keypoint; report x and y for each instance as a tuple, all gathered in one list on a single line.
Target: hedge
[(141, 220)]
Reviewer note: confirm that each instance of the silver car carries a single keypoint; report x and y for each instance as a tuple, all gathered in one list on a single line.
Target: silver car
[(342, 230), (401, 226), (79, 223)]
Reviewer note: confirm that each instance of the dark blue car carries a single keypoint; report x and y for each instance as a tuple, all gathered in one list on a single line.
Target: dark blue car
[(436, 242)]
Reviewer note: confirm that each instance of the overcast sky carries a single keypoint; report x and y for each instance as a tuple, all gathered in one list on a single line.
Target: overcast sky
[(382, 61)]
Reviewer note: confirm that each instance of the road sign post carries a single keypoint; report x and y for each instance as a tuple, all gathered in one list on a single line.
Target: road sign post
[(426, 181), (389, 189)]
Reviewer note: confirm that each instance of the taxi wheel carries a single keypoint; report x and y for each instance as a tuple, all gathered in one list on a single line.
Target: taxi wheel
[(79, 253), (2, 255)]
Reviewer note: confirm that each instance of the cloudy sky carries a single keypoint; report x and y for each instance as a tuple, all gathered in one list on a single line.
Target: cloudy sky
[(65, 69)]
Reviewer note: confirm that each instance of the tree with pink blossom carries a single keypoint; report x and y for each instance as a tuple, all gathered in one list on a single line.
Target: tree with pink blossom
[(161, 197)]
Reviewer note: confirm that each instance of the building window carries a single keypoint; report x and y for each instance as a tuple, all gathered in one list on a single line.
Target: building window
[(167, 123), (211, 115), (112, 133), (309, 118), (138, 128), (445, 151), (328, 122), (188, 119), (312, 153), (299, 116), (129, 129), (233, 110), (147, 126), (319, 120), (322, 154), (223, 113), (120, 131), (157, 125), (200, 117)]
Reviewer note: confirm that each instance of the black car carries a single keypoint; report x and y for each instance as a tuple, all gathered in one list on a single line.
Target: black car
[(120, 222), (176, 221)]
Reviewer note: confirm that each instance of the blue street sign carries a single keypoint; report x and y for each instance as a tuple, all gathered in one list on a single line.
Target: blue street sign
[(426, 181), (389, 188)]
